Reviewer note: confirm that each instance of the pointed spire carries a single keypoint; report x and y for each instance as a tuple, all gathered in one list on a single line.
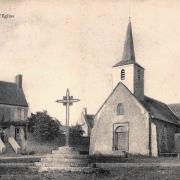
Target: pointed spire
[(128, 53)]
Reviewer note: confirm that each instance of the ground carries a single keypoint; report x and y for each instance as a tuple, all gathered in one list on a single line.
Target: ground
[(145, 169), (39, 147), (132, 168), (42, 147), (35, 146), (128, 173)]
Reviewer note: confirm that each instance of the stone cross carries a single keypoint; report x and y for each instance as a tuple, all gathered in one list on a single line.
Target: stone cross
[(67, 101)]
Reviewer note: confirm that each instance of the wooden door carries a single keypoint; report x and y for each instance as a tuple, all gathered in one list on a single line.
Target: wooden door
[(17, 134), (121, 138)]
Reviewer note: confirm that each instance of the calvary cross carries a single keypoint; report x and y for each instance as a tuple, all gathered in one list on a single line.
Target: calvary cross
[(67, 101)]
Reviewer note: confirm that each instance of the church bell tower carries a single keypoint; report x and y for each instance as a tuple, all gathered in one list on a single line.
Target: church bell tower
[(128, 71)]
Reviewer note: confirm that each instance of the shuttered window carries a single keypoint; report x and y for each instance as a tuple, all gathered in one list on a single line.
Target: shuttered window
[(122, 74), (19, 114)]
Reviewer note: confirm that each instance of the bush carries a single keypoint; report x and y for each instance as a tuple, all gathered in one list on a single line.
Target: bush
[(31, 122), (43, 126), (76, 131)]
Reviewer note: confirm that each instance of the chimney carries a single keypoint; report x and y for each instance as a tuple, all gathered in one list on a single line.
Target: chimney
[(84, 111), (18, 80)]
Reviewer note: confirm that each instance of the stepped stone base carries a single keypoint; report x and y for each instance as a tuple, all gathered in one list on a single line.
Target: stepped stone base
[(64, 159)]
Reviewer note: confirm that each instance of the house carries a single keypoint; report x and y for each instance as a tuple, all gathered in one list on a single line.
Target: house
[(129, 121), (13, 114), (86, 122), (175, 108)]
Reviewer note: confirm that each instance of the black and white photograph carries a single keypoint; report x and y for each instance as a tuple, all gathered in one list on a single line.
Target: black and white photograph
[(89, 90)]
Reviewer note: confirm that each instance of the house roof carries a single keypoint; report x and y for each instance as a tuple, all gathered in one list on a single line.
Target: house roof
[(89, 118), (175, 108), (10, 94), (159, 110)]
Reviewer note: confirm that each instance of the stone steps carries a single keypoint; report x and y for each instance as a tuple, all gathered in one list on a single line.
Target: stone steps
[(62, 152), (53, 164), (73, 169), (66, 159), (66, 156)]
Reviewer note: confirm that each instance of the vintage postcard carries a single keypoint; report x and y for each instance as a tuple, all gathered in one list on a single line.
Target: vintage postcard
[(89, 89)]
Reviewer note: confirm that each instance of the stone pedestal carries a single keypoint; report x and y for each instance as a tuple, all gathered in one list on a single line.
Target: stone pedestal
[(65, 159)]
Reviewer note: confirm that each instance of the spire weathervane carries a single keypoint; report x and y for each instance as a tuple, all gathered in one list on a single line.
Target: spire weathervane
[(67, 101)]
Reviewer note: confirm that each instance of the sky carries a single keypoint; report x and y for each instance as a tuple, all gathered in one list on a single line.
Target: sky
[(60, 44)]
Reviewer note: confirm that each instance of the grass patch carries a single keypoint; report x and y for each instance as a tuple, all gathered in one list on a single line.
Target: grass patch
[(142, 173)]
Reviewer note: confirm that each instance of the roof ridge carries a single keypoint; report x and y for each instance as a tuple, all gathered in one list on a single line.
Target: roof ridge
[(156, 100), (174, 114), (174, 104), (113, 92), (174, 117), (107, 98), (8, 82)]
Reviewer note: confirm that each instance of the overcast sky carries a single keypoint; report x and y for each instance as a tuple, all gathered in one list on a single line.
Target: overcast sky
[(57, 44)]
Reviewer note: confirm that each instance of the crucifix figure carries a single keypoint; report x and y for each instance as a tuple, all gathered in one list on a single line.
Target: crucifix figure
[(67, 101)]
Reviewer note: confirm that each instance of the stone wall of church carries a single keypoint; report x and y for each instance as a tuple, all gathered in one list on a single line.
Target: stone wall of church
[(165, 136), (129, 76), (134, 115)]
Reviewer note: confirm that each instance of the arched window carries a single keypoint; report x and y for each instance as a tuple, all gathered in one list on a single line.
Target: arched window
[(120, 109), (122, 74)]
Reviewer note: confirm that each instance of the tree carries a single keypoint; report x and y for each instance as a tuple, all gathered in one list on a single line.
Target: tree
[(31, 122), (76, 131), (43, 126)]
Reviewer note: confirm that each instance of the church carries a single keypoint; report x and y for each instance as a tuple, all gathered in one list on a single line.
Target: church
[(129, 121)]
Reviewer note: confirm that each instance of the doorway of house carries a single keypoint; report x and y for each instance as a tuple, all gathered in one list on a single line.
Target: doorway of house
[(121, 138), (17, 134)]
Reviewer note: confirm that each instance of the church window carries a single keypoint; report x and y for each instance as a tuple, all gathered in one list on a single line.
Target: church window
[(120, 109), (122, 74)]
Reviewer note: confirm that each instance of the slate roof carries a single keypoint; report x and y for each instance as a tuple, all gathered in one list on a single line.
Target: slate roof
[(128, 52), (159, 110), (10, 94), (175, 108)]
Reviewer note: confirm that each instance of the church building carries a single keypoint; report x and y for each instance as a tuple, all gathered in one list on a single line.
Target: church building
[(129, 121)]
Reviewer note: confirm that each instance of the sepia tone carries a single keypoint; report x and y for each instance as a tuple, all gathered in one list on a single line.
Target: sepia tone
[(89, 89)]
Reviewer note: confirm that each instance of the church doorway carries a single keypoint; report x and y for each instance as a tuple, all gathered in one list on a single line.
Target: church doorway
[(121, 138)]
